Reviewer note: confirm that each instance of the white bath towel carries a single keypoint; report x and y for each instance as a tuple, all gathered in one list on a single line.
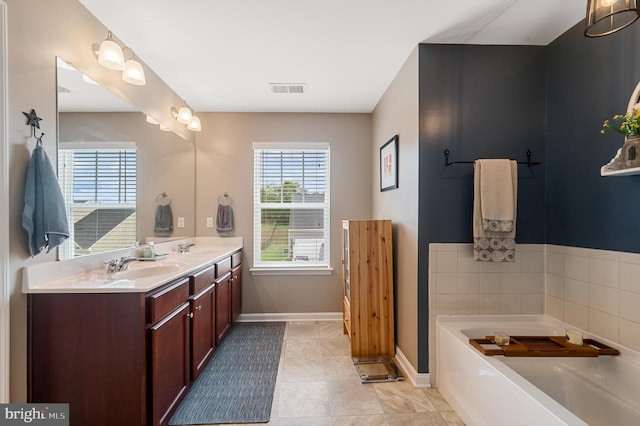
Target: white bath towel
[(494, 210)]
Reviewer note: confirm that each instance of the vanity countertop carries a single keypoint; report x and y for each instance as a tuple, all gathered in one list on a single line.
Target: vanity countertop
[(82, 276)]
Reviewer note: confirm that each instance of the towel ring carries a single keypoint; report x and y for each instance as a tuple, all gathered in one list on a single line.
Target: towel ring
[(225, 199), (163, 199)]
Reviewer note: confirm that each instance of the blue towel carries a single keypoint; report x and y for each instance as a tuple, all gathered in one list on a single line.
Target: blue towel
[(44, 216)]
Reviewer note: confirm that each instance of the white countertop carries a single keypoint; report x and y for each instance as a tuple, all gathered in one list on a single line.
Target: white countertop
[(87, 274)]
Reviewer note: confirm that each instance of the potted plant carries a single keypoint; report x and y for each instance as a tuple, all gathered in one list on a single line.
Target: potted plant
[(627, 125)]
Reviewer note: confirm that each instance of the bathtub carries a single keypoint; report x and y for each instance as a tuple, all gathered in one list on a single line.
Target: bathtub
[(499, 390)]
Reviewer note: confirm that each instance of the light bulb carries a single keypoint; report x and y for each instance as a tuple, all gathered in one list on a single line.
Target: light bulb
[(133, 73), (194, 124), (184, 114), (110, 54)]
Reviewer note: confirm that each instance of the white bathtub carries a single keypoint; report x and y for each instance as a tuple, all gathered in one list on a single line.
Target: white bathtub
[(498, 390)]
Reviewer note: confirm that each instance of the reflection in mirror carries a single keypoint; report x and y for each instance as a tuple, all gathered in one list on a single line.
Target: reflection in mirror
[(112, 167)]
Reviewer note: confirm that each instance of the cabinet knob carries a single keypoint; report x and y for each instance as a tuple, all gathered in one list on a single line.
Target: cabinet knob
[(190, 314), (198, 308)]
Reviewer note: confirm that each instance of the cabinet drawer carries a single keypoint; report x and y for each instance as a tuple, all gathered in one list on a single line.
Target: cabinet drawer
[(223, 267), (167, 299), (203, 279), (236, 259)]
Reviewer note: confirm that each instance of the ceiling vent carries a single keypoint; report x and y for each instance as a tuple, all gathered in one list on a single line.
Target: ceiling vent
[(288, 87)]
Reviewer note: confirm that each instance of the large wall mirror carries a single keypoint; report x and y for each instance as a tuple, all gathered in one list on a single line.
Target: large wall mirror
[(124, 180)]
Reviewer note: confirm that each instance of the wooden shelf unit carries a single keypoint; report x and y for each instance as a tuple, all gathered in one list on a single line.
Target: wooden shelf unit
[(367, 287)]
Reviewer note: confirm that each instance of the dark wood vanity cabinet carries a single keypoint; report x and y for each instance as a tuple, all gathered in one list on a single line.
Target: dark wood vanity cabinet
[(203, 308), (169, 349), (128, 358), (90, 351), (236, 285), (223, 306)]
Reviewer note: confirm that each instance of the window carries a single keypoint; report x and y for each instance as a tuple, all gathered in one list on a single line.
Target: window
[(291, 206), (98, 183)]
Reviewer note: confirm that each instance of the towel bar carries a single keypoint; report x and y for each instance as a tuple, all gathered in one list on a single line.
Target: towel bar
[(528, 163)]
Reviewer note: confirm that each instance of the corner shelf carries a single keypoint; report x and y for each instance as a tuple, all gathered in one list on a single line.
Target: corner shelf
[(610, 170), (622, 172)]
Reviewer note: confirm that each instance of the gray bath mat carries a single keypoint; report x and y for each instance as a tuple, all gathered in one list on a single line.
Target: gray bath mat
[(237, 384)]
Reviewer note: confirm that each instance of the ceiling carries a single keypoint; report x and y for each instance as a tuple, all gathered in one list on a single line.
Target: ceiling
[(222, 55)]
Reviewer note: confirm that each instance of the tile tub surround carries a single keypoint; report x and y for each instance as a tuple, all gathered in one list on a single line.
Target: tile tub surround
[(459, 285), (595, 290)]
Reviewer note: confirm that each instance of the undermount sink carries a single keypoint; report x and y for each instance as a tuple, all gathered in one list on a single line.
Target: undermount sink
[(147, 271)]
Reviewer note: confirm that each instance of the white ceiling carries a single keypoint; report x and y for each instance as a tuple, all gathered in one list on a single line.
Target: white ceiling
[(222, 55)]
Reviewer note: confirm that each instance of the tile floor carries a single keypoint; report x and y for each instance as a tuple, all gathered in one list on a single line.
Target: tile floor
[(318, 384)]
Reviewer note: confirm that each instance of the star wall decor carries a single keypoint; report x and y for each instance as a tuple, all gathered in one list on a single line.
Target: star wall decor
[(32, 119)]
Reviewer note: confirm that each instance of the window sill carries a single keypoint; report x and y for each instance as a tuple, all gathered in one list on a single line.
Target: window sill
[(291, 271)]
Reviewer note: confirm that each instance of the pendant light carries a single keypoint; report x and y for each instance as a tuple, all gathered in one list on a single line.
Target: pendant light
[(110, 54), (133, 72), (605, 17)]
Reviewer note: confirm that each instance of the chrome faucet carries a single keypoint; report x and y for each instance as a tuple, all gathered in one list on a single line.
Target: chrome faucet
[(184, 247), (117, 265)]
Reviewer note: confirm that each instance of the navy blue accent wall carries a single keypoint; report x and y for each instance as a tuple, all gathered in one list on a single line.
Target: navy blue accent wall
[(479, 102), (590, 80)]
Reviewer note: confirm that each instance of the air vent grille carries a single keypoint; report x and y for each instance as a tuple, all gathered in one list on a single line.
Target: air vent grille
[(288, 87)]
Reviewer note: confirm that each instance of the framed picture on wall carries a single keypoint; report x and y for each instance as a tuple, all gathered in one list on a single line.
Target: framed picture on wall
[(389, 164)]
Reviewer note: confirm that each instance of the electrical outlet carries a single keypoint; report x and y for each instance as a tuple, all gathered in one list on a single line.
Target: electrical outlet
[(181, 222), (209, 222)]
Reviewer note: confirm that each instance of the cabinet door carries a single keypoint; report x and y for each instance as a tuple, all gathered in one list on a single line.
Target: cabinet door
[(169, 363), (236, 292), (203, 341), (223, 306)]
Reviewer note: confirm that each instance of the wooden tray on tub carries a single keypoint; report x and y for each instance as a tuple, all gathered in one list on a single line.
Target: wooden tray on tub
[(539, 346)]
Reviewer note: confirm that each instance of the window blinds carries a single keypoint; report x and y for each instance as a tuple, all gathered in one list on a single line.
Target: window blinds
[(99, 186), (291, 205)]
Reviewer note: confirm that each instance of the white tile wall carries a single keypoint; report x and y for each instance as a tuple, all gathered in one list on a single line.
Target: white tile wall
[(595, 290), (459, 285)]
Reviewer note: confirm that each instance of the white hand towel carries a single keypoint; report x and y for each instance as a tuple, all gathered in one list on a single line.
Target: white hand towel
[(494, 210)]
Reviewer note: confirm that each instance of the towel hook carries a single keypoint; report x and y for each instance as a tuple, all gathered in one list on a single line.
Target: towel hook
[(163, 199), (34, 121), (225, 198)]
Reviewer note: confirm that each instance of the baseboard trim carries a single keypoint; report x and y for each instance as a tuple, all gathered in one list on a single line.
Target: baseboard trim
[(418, 380), (299, 316)]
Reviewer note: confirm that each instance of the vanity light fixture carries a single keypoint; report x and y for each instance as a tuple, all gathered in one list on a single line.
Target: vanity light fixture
[(194, 124), (110, 54), (133, 72), (605, 17), (184, 114)]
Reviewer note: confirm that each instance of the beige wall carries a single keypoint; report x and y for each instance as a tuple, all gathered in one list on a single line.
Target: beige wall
[(225, 164), (38, 31), (397, 113), (166, 163)]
